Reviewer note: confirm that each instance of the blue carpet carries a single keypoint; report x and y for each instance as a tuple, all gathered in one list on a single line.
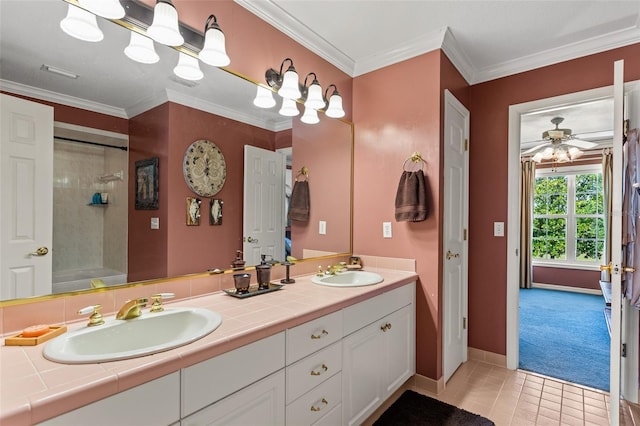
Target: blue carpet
[(564, 335)]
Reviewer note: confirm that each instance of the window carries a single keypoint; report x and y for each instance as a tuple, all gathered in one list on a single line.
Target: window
[(568, 216)]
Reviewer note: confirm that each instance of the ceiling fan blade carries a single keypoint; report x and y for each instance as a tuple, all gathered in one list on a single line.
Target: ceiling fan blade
[(581, 143), (535, 148)]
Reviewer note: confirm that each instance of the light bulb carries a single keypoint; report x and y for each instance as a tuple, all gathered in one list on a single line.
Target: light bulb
[(141, 49), (264, 98), (164, 28), (310, 116), (81, 24), (289, 108), (188, 68)]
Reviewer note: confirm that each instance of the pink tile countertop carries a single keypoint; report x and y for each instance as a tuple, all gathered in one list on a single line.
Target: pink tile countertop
[(33, 389)]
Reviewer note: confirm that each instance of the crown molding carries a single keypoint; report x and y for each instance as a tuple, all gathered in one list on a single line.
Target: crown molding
[(457, 56), (285, 23), (613, 40), (47, 95)]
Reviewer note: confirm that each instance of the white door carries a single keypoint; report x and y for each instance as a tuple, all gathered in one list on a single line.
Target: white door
[(26, 197), (456, 196), (263, 222)]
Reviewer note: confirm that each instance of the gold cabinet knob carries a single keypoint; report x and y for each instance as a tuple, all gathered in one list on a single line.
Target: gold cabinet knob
[(319, 335), (41, 251), (318, 407), (451, 255), (323, 368)]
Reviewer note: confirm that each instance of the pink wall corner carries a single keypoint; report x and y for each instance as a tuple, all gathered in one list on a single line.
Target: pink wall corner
[(198, 248), (489, 106), (334, 189), (394, 116)]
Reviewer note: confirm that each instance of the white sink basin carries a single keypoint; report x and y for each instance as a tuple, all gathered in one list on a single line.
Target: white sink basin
[(348, 279), (121, 339)]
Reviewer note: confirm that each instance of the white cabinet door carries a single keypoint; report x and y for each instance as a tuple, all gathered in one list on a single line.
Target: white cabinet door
[(377, 360), (259, 404), (151, 404), (362, 366)]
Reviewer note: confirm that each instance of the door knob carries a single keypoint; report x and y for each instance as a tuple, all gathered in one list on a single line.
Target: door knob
[(610, 268), (250, 240), (41, 251), (451, 255)]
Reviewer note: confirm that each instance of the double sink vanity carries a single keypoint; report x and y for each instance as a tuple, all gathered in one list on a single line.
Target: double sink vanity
[(325, 350)]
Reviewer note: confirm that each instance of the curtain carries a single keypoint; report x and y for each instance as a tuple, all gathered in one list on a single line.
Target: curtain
[(607, 174), (527, 184)]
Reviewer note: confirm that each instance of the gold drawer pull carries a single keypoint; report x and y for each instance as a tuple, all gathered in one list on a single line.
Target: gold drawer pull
[(385, 327), (319, 336), (317, 408), (317, 373)]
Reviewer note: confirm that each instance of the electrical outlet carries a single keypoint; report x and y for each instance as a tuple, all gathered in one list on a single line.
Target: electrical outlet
[(322, 227), (155, 223), (498, 229), (386, 230)]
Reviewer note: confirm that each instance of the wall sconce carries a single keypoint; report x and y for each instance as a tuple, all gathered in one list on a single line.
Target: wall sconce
[(310, 116), (289, 108), (81, 24), (110, 9), (140, 49), (264, 98), (188, 68), (286, 84), (164, 28), (214, 52), (313, 93), (334, 110)]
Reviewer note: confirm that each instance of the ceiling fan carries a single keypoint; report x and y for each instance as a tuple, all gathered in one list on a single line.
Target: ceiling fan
[(559, 145)]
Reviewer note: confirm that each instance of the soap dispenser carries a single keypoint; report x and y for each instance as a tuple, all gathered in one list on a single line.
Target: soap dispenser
[(238, 262), (264, 273)]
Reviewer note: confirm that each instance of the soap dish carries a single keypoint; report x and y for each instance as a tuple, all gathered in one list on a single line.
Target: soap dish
[(254, 290), (19, 340)]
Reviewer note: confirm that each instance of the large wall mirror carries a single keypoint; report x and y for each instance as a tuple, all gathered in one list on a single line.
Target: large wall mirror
[(163, 115)]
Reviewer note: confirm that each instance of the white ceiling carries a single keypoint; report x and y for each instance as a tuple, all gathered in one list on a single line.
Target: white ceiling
[(484, 39)]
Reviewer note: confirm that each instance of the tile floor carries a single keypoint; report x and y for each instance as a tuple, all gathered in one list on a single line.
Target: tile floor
[(519, 398)]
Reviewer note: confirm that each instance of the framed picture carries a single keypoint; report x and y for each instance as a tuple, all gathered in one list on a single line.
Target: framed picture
[(193, 211), (215, 218), (147, 184)]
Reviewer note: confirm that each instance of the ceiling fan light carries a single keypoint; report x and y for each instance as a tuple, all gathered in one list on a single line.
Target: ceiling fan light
[(310, 116), (547, 154), (314, 96), (264, 98), (538, 157), (140, 49), (188, 68), (289, 108), (575, 153), (164, 28), (290, 88), (110, 9), (81, 24), (214, 52), (561, 156)]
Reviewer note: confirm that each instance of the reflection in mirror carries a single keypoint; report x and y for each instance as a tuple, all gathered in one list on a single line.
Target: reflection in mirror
[(146, 108)]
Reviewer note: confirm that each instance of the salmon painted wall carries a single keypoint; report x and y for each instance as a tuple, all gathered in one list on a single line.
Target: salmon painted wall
[(333, 160), (397, 110), (489, 105), (148, 137), (254, 45)]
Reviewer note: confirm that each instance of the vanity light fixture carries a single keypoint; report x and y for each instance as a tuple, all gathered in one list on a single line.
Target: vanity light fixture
[(310, 116), (287, 83), (313, 93), (140, 49), (110, 9), (334, 110), (264, 98), (81, 24), (289, 108), (214, 52), (188, 68), (164, 28)]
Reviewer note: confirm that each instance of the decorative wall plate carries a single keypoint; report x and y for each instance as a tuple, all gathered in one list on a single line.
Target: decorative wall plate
[(204, 168)]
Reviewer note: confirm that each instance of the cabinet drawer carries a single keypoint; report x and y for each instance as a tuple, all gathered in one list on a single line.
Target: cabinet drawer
[(215, 378), (332, 418), (357, 316), (312, 336), (314, 405), (309, 372)]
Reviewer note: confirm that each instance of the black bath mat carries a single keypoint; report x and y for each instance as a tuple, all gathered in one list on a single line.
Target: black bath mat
[(413, 408)]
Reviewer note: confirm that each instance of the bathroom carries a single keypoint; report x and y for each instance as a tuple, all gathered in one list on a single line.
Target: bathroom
[(387, 147)]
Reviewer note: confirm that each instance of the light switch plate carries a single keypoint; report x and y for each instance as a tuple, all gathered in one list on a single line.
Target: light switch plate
[(386, 230), (322, 227), (498, 229), (155, 223)]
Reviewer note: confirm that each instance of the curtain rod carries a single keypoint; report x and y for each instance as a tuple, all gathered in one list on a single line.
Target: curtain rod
[(123, 148)]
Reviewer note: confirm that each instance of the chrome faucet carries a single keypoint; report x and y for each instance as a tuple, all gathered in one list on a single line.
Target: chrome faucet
[(131, 309)]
